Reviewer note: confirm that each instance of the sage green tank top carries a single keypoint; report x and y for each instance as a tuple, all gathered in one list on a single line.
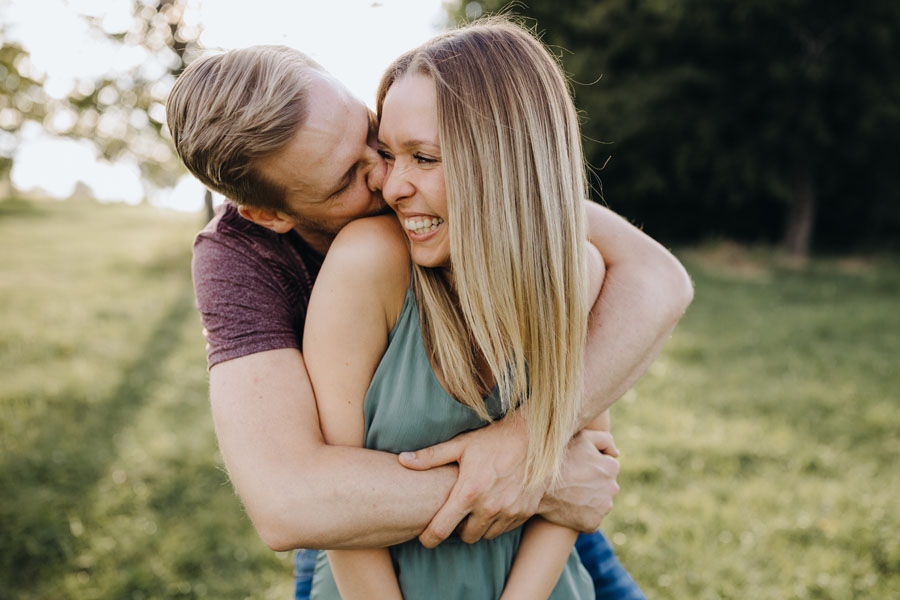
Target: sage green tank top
[(406, 408)]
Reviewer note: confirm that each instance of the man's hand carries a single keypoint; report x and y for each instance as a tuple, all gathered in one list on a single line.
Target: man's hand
[(587, 483), (490, 487)]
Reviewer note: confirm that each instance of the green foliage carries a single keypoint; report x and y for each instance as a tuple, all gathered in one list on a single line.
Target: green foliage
[(121, 113), (112, 483), (718, 116), (21, 94)]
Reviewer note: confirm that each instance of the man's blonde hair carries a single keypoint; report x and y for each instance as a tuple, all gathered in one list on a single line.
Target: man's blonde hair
[(515, 184), (228, 110)]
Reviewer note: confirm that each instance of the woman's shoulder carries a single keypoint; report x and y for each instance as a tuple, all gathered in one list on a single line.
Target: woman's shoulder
[(371, 256), (381, 232), (372, 242)]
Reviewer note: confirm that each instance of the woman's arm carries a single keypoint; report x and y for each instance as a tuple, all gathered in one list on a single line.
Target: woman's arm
[(356, 300), (545, 547), (539, 561)]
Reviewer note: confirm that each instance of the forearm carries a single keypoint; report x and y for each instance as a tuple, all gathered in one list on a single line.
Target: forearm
[(299, 492), (346, 498), (644, 294), (539, 561), (364, 574)]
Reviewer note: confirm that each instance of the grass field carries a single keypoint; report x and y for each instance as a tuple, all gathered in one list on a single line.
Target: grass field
[(759, 453)]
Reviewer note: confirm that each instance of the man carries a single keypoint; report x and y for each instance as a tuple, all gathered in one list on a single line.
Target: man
[(294, 153)]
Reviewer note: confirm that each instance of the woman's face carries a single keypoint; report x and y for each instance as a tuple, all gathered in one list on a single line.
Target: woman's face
[(414, 183)]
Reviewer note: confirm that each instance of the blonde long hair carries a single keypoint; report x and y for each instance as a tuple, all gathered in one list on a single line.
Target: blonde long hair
[(515, 183)]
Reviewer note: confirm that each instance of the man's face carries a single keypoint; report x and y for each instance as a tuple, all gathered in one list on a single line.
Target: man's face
[(331, 170)]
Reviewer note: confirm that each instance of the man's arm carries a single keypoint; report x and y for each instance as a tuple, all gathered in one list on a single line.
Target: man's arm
[(645, 292), (298, 491)]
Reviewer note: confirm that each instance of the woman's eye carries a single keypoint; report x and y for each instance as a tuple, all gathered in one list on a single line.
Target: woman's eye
[(424, 159), (384, 154)]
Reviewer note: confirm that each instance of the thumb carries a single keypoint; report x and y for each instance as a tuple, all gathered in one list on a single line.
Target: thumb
[(433, 456)]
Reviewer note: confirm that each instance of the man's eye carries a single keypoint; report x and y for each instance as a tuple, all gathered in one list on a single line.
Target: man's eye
[(341, 189)]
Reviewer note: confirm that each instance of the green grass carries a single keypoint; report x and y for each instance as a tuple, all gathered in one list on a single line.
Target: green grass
[(112, 483), (758, 460), (760, 451)]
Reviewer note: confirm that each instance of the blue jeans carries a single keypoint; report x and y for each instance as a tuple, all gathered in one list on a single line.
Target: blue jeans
[(611, 580)]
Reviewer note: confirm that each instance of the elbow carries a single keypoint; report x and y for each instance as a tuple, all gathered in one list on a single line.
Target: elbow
[(275, 536), (672, 287), (681, 290), (273, 531), (283, 525)]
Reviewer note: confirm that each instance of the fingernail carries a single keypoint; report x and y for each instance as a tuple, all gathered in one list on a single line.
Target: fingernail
[(408, 455)]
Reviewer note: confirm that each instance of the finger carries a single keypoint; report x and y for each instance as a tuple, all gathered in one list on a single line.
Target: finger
[(603, 441), (610, 466), (474, 528), (500, 526), (433, 456), (445, 521)]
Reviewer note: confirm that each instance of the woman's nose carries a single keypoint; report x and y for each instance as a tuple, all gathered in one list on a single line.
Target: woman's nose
[(397, 185)]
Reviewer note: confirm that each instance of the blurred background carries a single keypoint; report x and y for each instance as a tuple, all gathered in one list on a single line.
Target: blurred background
[(757, 139)]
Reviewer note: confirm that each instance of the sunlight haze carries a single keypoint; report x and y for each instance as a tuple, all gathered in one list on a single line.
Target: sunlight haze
[(354, 39)]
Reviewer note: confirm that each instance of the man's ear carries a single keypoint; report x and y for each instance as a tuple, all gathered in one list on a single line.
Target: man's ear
[(275, 220)]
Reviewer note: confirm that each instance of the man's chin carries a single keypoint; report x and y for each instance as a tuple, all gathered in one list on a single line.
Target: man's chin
[(384, 210), (380, 209)]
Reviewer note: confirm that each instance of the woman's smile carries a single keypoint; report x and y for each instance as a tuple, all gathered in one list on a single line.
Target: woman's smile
[(409, 142), (420, 228)]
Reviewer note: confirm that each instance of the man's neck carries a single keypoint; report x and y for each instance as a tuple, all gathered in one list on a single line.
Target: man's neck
[(317, 240)]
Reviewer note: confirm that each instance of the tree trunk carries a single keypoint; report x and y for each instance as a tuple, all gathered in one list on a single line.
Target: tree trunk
[(801, 215)]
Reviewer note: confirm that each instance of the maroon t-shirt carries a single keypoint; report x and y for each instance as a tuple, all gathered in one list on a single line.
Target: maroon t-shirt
[(252, 285)]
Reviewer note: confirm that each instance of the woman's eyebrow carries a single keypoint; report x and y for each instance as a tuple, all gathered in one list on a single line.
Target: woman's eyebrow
[(411, 144)]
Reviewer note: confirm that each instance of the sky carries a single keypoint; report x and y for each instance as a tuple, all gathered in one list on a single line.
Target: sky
[(354, 39)]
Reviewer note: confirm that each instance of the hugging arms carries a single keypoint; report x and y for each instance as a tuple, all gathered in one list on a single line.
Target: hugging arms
[(300, 492), (291, 196)]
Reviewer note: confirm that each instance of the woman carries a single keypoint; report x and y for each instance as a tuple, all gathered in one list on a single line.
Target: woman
[(469, 305)]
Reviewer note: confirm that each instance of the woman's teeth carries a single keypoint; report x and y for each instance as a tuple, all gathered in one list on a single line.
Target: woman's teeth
[(420, 225)]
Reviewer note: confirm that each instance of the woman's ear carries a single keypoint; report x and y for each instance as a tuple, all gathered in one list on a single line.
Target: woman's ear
[(275, 220)]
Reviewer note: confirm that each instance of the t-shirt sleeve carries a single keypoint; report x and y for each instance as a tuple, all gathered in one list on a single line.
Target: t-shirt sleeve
[(243, 306)]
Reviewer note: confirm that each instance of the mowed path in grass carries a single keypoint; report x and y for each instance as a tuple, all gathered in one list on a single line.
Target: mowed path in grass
[(758, 454), (111, 482)]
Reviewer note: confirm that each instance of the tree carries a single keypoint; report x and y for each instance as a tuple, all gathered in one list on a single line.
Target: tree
[(22, 98), (753, 119), (122, 113)]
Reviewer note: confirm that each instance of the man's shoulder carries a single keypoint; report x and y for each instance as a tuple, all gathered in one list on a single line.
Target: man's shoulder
[(230, 240), (251, 285), (228, 228)]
